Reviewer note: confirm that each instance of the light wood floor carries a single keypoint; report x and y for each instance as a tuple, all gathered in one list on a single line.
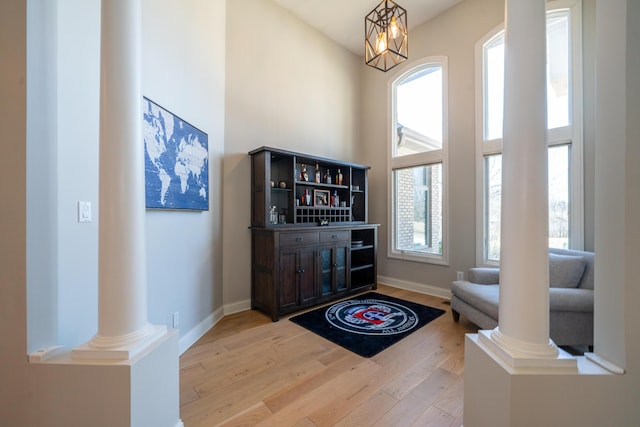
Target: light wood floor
[(249, 371)]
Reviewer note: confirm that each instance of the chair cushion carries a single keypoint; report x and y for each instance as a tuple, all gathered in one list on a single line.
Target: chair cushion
[(483, 297), (576, 300), (565, 271)]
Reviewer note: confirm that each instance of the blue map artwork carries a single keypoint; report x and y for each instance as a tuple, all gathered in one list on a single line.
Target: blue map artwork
[(176, 159)]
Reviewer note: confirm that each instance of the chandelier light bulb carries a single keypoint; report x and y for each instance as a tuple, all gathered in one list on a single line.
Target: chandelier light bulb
[(393, 28), (381, 43)]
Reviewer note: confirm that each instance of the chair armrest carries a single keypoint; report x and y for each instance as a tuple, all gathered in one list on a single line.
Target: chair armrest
[(484, 275)]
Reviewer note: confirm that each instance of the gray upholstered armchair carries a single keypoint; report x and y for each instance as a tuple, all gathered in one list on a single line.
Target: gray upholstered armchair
[(570, 297)]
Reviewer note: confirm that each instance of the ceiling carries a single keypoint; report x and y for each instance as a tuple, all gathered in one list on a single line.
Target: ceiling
[(343, 20)]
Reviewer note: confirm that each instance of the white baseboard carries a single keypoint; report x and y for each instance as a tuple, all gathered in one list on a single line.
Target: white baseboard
[(210, 321), (422, 288), (237, 307), (201, 328)]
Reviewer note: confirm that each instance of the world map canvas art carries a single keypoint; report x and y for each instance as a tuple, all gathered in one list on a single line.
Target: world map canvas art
[(176, 161)]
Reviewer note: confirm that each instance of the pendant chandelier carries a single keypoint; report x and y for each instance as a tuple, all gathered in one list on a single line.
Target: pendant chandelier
[(386, 40)]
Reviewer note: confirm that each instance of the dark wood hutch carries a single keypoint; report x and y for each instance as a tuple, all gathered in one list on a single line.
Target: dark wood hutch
[(310, 239)]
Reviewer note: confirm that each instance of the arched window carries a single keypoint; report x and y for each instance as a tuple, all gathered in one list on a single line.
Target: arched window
[(564, 123), (418, 147)]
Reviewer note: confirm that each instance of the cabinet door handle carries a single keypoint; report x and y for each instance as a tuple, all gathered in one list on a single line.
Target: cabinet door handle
[(334, 236), (299, 239), (301, 270)]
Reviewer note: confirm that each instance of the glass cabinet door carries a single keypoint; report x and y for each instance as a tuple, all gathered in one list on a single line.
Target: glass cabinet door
[(326, 270), (333, 269), (341, 267)]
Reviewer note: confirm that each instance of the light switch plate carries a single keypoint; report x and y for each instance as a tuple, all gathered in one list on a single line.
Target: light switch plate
[(84, 211)]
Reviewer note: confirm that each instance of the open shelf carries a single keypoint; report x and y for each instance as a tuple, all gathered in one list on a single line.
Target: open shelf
[(342, 181), (311, 214)]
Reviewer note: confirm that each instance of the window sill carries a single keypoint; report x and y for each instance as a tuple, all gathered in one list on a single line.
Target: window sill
[(414, 257)]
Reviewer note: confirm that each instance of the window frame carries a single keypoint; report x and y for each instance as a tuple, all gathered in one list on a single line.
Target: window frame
[(438, 156), (572, 134)]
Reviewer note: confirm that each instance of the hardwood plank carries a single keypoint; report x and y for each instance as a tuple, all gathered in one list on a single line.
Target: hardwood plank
[(306, 422), (328, 394), (369, 411), (451, 400), (249, 417), (411, 407), (412, 377), (285, 397), (216, 404), (248, 370), (433, 417)]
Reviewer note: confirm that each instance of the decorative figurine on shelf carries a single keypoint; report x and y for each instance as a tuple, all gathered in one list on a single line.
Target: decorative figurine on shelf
[(306, 198), (304, 176), (335, 199), (317, 173), (339, 178), (327, 177), (273, 215), (282, 184)]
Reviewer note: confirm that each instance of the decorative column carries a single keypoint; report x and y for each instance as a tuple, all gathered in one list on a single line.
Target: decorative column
[(123, 328), (522, 335)]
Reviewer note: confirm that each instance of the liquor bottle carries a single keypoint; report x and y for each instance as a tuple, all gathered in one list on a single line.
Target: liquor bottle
[(317, 173), (339, 178), (335, 199), (304, 176), (306, 199), (273, 215), (327, 177)]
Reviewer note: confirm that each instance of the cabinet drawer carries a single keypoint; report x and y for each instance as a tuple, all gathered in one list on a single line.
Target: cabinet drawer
[(334, 236), (301, 238)]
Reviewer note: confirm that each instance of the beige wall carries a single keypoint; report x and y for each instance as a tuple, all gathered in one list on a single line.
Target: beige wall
[(288, 87), (14, 386), (454, 35)]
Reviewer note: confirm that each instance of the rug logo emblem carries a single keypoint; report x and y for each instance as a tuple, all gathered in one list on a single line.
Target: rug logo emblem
[(371, 317)]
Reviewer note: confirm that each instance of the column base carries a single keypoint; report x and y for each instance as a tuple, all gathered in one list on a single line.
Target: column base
[(119, 348), (517, 354), (140, 392)]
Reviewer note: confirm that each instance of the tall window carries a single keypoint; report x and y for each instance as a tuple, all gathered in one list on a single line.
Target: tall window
[(564, 120), (418, 164)]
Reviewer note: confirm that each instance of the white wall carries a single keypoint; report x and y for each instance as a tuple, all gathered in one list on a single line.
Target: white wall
[(42, 217), (62, 119), (288, 87), (76, 174), (183, 70)]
